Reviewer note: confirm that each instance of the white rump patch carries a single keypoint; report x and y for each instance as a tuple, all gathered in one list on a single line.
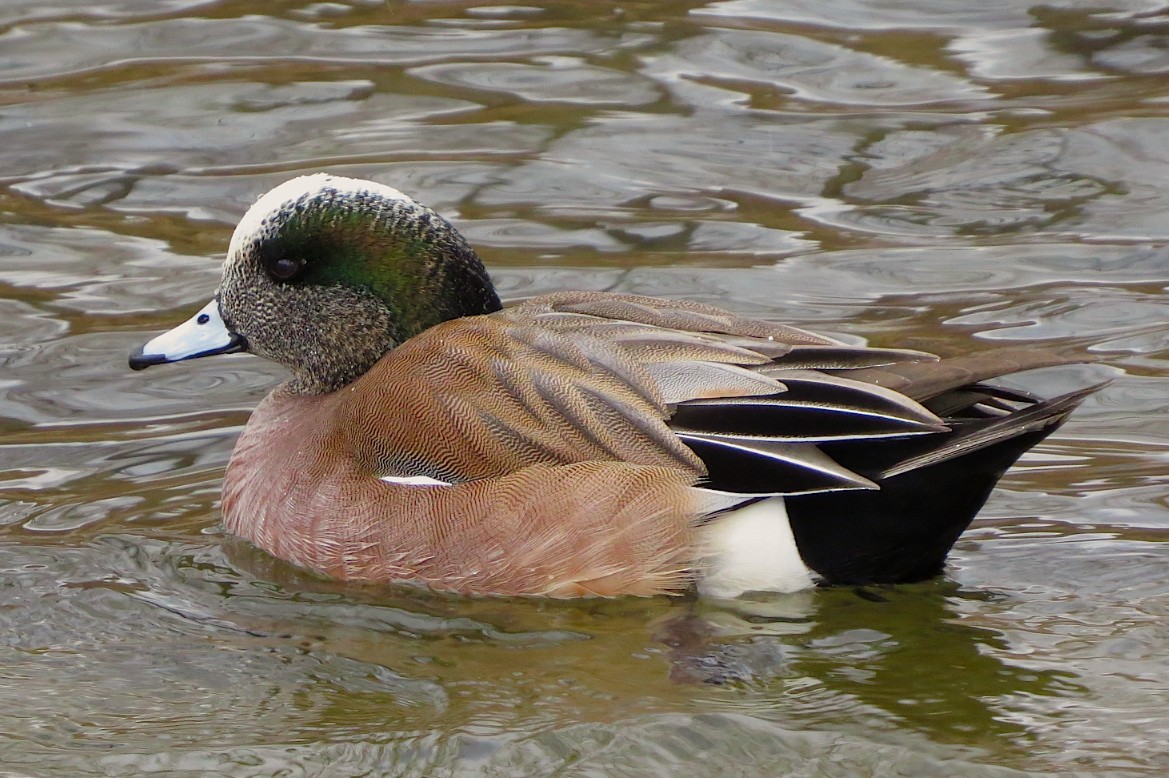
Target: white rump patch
[(412, 480), (290, 191), (752, 549)]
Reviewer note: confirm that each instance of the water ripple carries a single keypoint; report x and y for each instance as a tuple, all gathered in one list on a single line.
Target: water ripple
[(912, 173)]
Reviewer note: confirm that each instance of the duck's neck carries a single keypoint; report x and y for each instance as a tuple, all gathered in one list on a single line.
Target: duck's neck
[(452, 284)]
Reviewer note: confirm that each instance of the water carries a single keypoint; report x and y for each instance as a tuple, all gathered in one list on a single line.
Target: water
[(924, 174)]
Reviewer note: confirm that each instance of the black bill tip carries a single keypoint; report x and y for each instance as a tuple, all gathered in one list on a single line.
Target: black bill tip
[(140, 360)]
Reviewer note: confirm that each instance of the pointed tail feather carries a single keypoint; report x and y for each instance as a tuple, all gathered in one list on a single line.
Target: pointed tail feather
[(930, 492), (967, 439)]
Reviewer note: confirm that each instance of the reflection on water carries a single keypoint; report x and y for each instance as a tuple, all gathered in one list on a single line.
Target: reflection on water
[(918, 174)]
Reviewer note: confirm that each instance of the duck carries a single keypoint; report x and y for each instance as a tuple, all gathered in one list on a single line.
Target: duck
[(578, 443)]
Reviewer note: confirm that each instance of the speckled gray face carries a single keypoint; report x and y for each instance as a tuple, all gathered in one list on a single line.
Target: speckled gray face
[(326, 334)]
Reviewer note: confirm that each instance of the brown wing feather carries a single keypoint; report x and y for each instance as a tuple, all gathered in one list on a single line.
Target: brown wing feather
[(683, 315), (924, 380), (482, 397), (555, 381)]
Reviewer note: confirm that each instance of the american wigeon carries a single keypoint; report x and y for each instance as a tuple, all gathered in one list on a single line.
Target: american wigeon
[(578, 443)]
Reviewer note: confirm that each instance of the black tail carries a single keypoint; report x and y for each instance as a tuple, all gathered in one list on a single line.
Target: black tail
[(930, 490)]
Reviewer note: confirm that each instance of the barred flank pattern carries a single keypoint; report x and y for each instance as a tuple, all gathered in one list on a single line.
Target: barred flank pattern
[(593, 528)]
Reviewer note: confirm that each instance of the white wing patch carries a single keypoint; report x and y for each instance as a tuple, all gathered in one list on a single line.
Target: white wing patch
[(412, 480)]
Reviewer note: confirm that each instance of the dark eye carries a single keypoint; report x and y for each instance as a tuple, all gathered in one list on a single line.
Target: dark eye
[(283, 268)]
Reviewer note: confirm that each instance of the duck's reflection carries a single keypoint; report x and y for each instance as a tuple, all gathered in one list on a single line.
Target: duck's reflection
[(901, 651), (893, 657)]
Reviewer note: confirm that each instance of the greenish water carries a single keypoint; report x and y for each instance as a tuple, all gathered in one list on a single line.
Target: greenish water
[(921, 174)]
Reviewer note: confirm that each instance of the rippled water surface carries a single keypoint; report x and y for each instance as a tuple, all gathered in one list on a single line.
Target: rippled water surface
[(926, 173)]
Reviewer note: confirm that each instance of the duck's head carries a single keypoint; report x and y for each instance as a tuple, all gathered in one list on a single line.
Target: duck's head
[(326, 274)]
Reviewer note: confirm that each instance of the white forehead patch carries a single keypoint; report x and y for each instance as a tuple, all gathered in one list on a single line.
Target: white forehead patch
[(291, 191)]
